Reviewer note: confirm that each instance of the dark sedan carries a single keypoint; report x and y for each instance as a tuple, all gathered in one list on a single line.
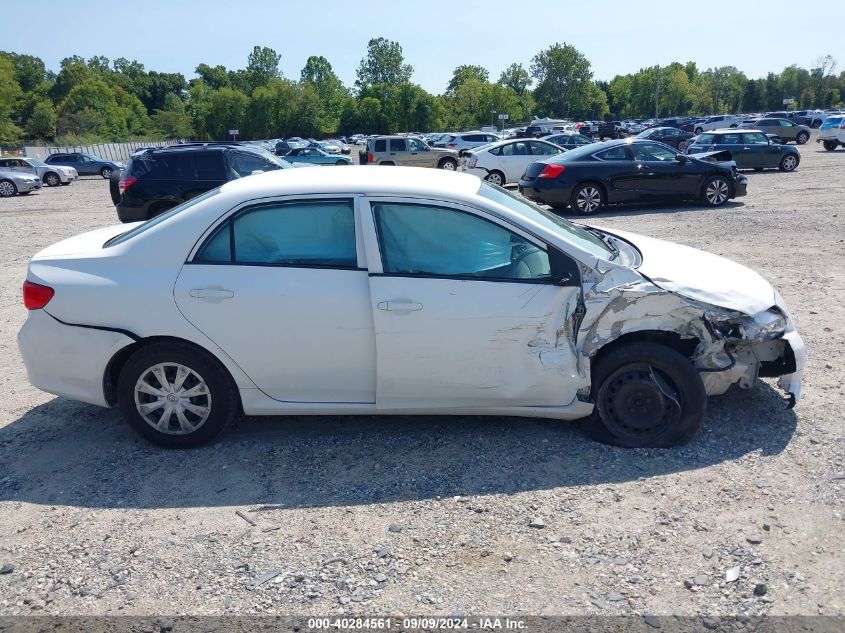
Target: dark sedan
[(679, 139), (628, 170)]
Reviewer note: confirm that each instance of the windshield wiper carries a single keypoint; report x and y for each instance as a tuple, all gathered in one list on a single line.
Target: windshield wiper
[(605, 240)]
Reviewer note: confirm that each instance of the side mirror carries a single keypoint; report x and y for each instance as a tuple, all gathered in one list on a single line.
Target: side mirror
[(681, 158)]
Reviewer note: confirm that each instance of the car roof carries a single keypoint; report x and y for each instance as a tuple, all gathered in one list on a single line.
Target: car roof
[(356, 179)]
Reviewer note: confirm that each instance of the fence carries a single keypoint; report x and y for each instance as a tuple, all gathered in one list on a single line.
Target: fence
[(107, 151)]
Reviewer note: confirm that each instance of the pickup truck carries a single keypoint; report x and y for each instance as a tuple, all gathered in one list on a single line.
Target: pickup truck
[(611, 129)]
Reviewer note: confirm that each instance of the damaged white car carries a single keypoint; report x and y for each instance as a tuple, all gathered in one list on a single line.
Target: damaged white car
[(358, 291)]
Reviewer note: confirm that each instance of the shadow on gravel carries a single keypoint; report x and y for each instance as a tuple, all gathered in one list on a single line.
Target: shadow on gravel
[(66, 453)]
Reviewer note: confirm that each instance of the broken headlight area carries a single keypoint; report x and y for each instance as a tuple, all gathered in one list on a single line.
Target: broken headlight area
[(735, 326), (745, 348)]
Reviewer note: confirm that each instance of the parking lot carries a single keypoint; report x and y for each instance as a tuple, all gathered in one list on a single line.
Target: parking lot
[(445, 514)]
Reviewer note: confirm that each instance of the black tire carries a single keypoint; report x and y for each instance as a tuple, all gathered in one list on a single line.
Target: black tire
[(645, 395), (829, 145), (340, 162), (449, 164), (222, 396), (106, 172), (114, 186), (51, 179), (789, 162), (8, 189), (816, 124), (802, 137), (496, 177), (65, 184), (699, 130), (587, 198), (682, 146), (716, 191)]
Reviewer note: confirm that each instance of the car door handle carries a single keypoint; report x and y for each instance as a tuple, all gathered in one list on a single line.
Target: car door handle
[(393, 153), (399, 306), (211, 293)]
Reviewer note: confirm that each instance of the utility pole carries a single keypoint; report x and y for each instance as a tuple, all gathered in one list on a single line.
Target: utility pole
[(492, 114), (657, 95)]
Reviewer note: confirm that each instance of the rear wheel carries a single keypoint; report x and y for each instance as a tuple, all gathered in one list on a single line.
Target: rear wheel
[(51, 179), (682, 146), (7, 189), (788, 162), (717, 190), (587, 198), (645, 395), (175, 395), (496, 178), (449, 164), (340, 162), (829, 145), (106, 172), (699, 130), (802, 138)]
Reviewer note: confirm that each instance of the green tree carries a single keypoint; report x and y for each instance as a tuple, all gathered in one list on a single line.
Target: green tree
[(262, 66), (214, 77), (563, 78), (384, 64), (318, 74), (464, 73), (91, 108), (516, 78), (10, 92), (172, 121), (226, 110), (30, 72), (73, 72), (42, 123)]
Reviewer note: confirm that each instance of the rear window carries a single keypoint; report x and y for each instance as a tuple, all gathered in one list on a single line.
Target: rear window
[(177, 166), (831, 122), (705, 139)]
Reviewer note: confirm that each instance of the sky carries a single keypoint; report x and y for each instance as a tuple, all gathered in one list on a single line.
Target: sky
[(436, 36)]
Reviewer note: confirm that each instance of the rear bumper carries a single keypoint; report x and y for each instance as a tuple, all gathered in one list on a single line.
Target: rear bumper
[(67, 360), (126, 213), (551, 192)]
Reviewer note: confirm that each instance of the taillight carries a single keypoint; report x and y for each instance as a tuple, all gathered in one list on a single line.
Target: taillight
[(371, 158), (551, 171), (36, 296), (451, 145), (125, 183), (842, 125), (473, 161)]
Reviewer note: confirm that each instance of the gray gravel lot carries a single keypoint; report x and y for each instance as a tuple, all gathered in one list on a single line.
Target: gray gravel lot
[(443, 515)]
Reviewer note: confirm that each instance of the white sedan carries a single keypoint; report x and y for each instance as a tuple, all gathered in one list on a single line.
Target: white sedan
[(353, 291), (505, 161)]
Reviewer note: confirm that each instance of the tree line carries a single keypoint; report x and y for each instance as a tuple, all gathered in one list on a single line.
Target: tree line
[(98, 100)]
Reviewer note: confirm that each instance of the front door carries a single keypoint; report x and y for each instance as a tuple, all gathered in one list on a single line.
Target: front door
[(466, 311), (758, 151), (278, 286), (659, 175)]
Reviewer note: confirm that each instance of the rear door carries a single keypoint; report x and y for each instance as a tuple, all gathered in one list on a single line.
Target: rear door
[(280, 286), (513, 160), (466, 311), (398, 151)]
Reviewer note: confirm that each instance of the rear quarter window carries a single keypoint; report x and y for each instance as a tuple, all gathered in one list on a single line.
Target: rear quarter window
[(705, 139)]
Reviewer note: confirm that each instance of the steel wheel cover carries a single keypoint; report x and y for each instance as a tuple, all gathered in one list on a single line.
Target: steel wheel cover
[(639, 401), (717, 191), (172, 398), (588, 199)]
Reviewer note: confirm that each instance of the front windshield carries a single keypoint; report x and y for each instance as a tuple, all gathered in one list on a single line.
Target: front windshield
[(128, 235), (572, 233)]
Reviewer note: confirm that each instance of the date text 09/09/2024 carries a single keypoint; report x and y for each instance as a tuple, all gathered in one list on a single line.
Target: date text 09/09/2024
[(414, 623)]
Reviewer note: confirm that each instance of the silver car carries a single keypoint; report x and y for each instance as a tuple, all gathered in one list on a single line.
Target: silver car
[(50, 175), (12, 182)]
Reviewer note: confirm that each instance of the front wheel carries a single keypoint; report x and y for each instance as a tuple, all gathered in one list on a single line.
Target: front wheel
[(106, 172), (717, 190), (496, 178), (829, 145), (682, 146), (175, 395), (7, 189), (645, 395), (802, 138), (449, 164), (788, 162), (699, 130), (587, 198)]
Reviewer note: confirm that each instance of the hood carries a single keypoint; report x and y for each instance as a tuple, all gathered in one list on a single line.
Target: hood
[(89, 242), (700, 275)]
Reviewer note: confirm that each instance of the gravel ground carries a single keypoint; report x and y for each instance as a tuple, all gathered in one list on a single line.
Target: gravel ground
[(442, 515)]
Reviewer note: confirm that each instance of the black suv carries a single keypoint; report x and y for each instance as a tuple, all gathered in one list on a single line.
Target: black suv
[(158, 179)]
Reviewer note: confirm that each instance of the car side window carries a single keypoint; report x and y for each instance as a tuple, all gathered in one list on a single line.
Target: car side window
[(515, 149), (309, 233), (397, 145), (755, 138), (243, 164), (614, 153), (416, 146), (785, 123), (380, 145), (731, 139), (652, 152), (209, 166), (424, 240), (541, 149)]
